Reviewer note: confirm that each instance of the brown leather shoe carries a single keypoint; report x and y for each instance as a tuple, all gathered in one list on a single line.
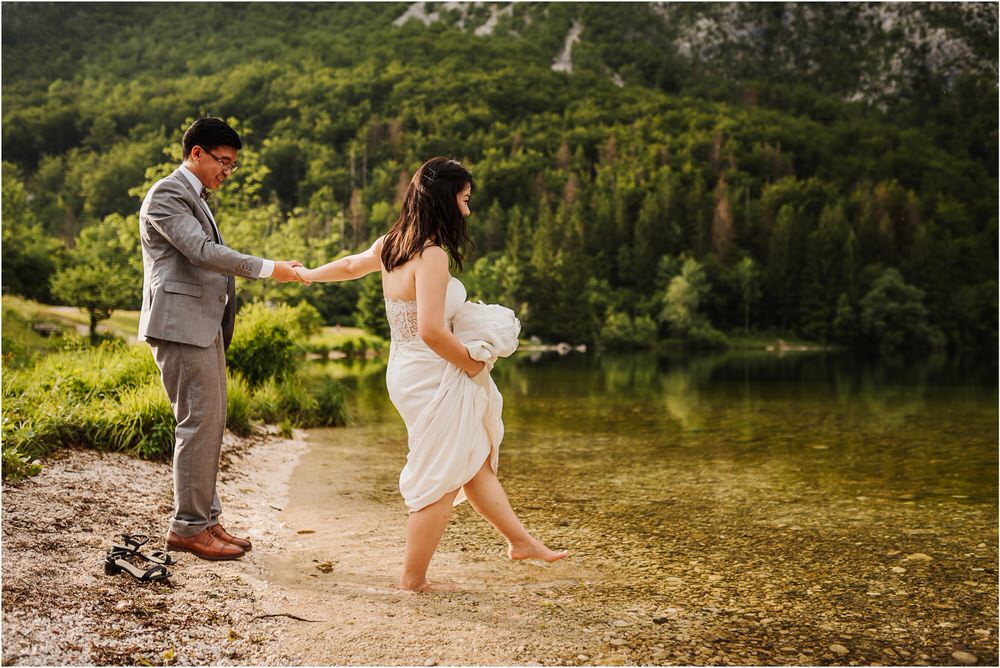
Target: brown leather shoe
[(222, 534), (204, 545)]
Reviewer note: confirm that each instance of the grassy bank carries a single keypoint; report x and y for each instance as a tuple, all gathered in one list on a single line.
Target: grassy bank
[(59, 390), (350, 341)]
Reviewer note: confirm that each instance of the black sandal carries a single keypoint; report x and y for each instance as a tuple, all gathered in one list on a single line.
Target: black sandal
[(131, 549), (113, 565)]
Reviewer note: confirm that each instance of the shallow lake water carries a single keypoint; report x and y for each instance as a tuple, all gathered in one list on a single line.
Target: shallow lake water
[(600, 424), (731, 508)]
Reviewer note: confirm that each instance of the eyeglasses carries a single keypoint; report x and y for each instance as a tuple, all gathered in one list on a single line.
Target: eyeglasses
[(227, 167)]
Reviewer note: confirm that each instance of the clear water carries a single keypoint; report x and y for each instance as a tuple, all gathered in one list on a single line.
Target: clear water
[(777, 498), (910, 430)]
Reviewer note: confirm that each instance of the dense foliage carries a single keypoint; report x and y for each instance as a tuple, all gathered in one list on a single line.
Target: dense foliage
[(110, 396), (733, 188), (264, 345)]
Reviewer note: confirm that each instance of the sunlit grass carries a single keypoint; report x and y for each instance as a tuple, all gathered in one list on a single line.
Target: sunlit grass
[(121, 323), (349, 340), (61, 391)]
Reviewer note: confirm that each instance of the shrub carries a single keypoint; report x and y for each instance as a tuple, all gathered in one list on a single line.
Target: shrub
[(622, 331), (617, 330), (18, 465), (33, 425), (307, 319), (316, 403), (643, 330), (238, 404), (102, 371), (263, 344), (140, 422), (704, 335), (893, 316), (137, 420), (298, 404), (266, 402), (285, 428), (331, 406)]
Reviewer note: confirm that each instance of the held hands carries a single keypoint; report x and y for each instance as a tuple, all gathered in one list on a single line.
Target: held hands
[(303, 274), (289, 270)]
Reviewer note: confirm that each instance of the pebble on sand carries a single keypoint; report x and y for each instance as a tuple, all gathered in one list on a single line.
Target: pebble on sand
[(839, 649), (919, 556), (964, 658)]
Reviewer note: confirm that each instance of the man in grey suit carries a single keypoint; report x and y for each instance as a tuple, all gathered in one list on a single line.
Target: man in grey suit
[(188, 313)]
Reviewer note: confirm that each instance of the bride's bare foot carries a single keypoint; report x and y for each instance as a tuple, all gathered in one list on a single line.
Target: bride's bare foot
[(425, 586), (534, 549)]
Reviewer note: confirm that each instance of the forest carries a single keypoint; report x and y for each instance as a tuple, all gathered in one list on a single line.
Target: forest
[(654, 191)]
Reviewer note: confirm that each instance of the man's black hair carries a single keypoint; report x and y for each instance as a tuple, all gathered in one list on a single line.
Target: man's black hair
[(209, 133)]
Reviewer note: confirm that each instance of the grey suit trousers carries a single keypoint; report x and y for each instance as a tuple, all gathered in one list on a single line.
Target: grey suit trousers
[(195, 381)]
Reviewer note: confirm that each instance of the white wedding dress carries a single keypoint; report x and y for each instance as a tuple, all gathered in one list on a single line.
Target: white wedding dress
[(453, 421)]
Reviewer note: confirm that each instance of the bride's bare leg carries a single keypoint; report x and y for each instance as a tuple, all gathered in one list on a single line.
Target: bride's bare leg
[(424, 529), (488, 498)]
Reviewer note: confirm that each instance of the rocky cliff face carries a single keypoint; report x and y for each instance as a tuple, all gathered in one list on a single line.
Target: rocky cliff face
[(873, 52)]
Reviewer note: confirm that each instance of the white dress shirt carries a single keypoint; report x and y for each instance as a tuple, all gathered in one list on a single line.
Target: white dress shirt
[(267, 268)]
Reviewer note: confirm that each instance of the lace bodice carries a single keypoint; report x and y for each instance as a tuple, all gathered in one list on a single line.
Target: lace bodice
[(402, 313)]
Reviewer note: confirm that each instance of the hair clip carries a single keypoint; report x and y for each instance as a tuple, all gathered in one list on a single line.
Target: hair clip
[(429, 174)]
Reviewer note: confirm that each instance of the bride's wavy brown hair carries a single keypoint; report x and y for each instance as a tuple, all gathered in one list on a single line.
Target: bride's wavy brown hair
[(430, 214)]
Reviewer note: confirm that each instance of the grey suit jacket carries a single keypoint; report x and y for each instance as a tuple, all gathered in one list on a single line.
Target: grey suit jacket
[(187, 271)]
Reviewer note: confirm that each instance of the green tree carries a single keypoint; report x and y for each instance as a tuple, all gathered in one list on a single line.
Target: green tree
[(828, 271), (893, 316), (783, 269), (682, 303), (29, 254), (620, 330), (489, 235), (747, 279), (845, 323), (495, 279), (371, 307), (655, 233), (104, 271)]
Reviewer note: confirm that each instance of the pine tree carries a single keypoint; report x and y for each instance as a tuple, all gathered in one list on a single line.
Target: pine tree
[(827, 272), (781, 275), (722, 222), (371, 306)]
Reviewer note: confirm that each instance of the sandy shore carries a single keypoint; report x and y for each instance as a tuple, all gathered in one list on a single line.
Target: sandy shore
[(59, 608)]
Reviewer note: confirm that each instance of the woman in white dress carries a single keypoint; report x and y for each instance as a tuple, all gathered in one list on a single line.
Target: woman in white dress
[(421, 297)]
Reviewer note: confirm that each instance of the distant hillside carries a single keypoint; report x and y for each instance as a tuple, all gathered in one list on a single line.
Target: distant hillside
[(643, 170), (881, 53)]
